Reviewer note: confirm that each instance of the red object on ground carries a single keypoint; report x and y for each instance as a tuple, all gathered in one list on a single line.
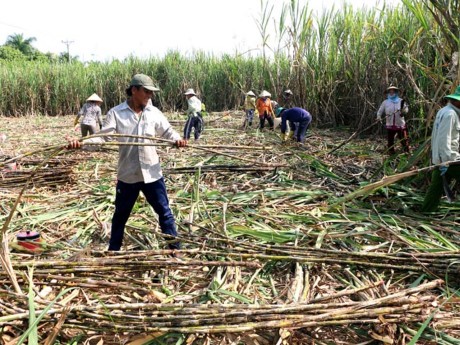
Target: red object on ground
[(29, 240)]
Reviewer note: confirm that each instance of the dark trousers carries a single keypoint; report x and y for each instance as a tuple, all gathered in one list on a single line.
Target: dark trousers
[(88, 130), (195, 122), (403, 136), (262, 121), (435, 191), (127, 193), (300, 129)]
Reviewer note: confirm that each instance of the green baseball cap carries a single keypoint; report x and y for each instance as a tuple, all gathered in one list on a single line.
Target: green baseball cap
[(455, 95), (144, 81), (279, 110)]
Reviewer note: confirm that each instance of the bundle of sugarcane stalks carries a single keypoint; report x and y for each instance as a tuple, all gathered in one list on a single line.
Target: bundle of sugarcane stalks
[(282, 244), (58, 171), (408, 305)]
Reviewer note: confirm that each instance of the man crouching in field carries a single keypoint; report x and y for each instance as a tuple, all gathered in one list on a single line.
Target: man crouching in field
[(138, 166)]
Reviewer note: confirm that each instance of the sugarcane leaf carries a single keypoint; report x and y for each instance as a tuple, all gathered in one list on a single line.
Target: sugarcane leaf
[(33, 325), (417, 281), (33, 335), (235, 295), (440, 238)]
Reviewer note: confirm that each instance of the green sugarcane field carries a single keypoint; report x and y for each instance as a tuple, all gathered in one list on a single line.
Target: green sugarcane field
[(285, 238)]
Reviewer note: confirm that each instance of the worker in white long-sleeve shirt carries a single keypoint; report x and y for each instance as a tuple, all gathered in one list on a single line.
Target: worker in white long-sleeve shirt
[(194, 120), (138, 166), (444, 148)]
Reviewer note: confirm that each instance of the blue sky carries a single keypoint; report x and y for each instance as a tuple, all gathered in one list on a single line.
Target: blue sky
[(102, 30)]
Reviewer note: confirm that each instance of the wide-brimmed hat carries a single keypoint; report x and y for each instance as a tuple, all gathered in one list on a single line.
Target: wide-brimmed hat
[(287, 92), (252, 94), (392, 87), (94, 98), (265, 93), (455, 95), (145, 81), (189, 92)]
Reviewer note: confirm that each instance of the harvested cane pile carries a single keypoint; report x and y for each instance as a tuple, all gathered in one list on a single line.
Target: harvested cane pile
[(271, 254), (58, 171)]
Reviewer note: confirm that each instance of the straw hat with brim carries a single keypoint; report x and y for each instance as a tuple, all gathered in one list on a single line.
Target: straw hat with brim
[(189, 92), (94, 98), (145, 81), (392, 87), (252, 94), (455, 95), (265, 94)]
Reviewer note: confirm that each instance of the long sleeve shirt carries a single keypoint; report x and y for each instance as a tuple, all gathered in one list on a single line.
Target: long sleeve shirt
[(294, 115), (264, 106), (393, 113), (250, 103), (137, 163), (446, 134), (91, 113), (194, 106)]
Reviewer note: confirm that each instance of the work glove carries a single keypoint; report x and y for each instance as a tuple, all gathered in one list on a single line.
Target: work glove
[(290, 135), (181, 143), (76, 121), (283, 136), (443, 169), (379, 118)]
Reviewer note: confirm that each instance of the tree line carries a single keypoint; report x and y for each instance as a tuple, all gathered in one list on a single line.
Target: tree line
[(19, 48)]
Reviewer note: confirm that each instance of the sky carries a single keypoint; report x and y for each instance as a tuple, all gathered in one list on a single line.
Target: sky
[(106, 30)]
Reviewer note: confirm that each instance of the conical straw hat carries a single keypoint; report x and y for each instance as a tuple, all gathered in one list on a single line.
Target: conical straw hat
[(265, 93), (94, 97)]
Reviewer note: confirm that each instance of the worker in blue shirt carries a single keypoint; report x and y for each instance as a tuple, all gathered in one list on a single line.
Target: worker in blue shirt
[(294, 116)]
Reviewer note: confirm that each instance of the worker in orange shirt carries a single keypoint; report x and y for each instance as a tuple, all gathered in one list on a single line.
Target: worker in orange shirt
[(264, 107)]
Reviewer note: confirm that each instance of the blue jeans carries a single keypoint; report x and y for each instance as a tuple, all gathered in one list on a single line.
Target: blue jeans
[(249, 116), (155, 193), (195, 122)]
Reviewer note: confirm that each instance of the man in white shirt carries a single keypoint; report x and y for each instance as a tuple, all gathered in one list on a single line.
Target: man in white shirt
[(138, 166), (194, 115), (444, 148)]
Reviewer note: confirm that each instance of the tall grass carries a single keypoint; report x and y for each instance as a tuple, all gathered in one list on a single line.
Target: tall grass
[(338, 64)]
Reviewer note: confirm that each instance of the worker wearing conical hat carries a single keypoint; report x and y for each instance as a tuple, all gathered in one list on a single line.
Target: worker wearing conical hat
[(264, 107), (194, 119), (287, 99), (249, 108), (92, 115), (393, 110)]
